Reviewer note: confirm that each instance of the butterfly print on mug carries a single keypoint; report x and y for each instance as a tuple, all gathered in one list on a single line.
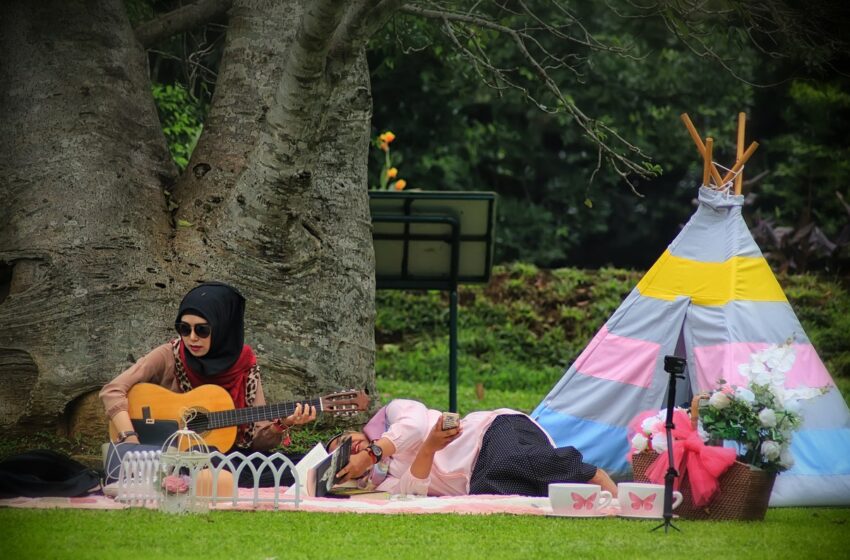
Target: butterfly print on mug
[(645, 503), (583, 503)]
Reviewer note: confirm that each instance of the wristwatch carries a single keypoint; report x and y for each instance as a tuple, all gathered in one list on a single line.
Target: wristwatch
[(374, 450), (122, 436)]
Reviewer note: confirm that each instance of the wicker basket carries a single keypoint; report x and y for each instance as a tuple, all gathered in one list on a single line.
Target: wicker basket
[(743, 494)]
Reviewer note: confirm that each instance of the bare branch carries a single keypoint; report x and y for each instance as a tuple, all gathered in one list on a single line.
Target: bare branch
[(182, 19), (754, 180), (492, 76), (625, 158), (477, 20), (589, 39), (843, 202), (701, 48), (810, 33), (408, 48)]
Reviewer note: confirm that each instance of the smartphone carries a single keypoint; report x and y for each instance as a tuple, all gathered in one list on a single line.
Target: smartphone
[(450, 420)]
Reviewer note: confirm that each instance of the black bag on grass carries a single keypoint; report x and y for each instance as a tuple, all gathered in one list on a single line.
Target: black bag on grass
[(43, 472)]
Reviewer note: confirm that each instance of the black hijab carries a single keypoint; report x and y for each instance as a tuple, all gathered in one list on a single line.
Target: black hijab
[(224, 309)]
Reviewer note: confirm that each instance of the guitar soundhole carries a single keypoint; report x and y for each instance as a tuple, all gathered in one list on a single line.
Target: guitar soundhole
[(198, 421)]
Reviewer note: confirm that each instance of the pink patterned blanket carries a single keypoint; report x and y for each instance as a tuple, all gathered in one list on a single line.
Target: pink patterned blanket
[(519, 505)]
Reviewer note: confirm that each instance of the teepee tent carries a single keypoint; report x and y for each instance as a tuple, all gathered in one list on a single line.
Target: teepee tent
[(712, 298)]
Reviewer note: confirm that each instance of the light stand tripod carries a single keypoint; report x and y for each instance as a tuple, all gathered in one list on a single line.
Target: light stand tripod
[(675, 366)]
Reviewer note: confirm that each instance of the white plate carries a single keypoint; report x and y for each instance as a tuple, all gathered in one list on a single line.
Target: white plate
[(552, 514)]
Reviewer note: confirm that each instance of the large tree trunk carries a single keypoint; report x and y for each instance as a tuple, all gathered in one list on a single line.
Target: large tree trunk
[(97, 263), (84, 232)]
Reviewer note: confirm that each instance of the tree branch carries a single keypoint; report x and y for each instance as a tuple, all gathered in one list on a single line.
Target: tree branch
[(361, 21), (182, 19), (809, 34), (753, 180), (295, 109)]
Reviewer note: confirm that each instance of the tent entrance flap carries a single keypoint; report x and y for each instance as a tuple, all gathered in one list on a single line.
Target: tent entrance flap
[(685, 383)]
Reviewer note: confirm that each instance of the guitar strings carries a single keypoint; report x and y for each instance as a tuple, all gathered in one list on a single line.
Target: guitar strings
[(237, 416)]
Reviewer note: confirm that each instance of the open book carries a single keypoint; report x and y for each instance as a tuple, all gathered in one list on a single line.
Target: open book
[(303, 467), (317, 473), (322, 477)]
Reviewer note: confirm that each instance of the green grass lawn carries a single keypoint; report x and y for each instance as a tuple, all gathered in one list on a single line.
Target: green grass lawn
[(786, 533)]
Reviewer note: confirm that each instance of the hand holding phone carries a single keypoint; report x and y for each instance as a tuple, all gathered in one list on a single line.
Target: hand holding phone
[(450, 420)]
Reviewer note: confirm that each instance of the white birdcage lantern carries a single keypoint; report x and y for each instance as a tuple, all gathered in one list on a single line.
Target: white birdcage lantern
[(184, 456)]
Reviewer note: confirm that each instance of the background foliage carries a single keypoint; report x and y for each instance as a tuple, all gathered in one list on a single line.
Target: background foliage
[(182, 118), (457, 133)]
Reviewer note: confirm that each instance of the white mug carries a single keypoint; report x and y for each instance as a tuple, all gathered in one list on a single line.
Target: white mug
[(638, 499), (578, 500)]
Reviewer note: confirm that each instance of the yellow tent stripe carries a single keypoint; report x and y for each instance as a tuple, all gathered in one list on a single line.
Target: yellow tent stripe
[(711, 284)]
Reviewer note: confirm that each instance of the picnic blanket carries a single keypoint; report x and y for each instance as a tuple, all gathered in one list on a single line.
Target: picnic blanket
[(478, 504)]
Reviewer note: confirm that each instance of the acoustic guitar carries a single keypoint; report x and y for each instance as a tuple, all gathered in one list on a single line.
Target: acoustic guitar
[(208, 410)]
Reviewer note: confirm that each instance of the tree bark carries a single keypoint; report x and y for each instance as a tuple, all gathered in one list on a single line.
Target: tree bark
[(92, 262), (84, 231)]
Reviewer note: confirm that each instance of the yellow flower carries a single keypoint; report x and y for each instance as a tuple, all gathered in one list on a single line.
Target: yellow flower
[(386, 137), (384, 146), (392, 172), (400, 184)]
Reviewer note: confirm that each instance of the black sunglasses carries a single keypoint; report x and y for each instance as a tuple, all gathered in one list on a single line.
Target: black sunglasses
[(334, 438), (203, 330)]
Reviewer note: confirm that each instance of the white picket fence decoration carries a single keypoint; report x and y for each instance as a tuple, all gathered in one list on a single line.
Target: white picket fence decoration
[(138, 479)]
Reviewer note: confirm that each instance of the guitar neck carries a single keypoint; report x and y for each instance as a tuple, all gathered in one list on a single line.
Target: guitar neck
[(237, 416)]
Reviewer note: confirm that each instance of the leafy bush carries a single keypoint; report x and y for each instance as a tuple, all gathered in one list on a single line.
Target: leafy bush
[(181, 117), (821, 305), (518, 332)]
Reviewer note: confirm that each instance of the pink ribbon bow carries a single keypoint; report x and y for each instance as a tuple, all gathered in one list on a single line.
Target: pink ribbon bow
[(703, 463)]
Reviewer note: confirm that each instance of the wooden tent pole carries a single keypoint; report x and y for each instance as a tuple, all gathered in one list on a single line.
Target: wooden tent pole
[(740, 163), (700, 146), (706, 161), (742, 124)]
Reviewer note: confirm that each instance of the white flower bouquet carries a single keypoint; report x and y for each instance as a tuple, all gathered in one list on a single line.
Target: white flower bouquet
[(761, 416)]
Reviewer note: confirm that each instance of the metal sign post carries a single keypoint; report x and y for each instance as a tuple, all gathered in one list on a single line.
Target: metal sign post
[(434, 240)]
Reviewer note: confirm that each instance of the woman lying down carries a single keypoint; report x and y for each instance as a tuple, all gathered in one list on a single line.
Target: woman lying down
[(404, 449)]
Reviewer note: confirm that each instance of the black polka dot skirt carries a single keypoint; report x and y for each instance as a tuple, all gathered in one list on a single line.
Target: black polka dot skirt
[(517, 458)]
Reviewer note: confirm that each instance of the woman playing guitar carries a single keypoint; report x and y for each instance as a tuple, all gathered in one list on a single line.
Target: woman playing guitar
[(210, 349)]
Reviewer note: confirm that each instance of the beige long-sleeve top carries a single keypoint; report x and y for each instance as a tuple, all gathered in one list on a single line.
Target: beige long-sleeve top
[(158, 367)]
